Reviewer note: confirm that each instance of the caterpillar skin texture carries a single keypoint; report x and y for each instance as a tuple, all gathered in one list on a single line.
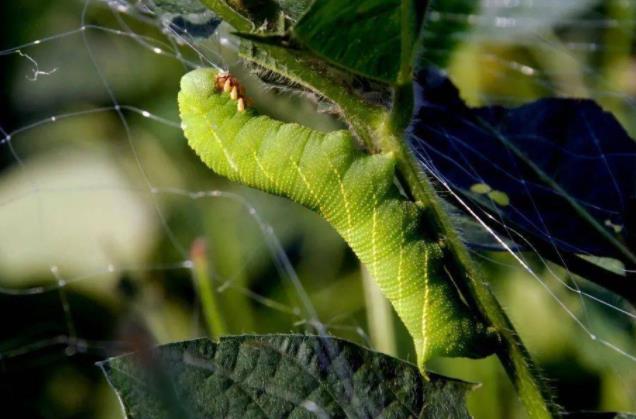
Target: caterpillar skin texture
[(353, 191)]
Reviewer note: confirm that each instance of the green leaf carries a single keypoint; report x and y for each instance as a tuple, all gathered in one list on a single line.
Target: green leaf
[(278, 376), (363, 36), (444, 25)]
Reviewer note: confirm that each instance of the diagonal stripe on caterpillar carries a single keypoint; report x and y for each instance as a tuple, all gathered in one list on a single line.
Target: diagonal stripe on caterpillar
[(352, 190)]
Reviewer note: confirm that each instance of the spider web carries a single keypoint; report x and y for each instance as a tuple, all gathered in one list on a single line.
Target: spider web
[(533, 34), (100, 199)]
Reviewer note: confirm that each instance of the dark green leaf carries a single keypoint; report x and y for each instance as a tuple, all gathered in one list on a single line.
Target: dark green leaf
[(278, 376), (444, 25), (362, 36), (560, 171)]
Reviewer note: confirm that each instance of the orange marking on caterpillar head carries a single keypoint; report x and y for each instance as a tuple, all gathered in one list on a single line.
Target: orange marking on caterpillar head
[(226, 83), (220, 80)]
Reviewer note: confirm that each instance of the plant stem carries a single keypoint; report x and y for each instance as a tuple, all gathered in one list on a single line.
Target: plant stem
[(201, 273), (226, 13), (379, 316), (301, 68), (511, 351)]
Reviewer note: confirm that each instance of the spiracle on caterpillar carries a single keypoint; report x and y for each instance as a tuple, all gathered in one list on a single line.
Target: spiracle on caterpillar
[(354, 191)]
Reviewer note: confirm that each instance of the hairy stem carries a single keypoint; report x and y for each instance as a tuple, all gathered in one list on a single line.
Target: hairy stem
[(511, 351), (226, 13)]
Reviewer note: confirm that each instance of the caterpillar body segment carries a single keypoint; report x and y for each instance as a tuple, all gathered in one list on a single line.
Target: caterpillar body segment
[(352, 190)]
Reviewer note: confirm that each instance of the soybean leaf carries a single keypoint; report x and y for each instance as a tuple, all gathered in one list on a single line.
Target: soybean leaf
[(560, 171), (363, 36), (278, 376), (443, 27)]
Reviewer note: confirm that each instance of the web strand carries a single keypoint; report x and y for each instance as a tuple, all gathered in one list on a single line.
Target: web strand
[(168, 43)]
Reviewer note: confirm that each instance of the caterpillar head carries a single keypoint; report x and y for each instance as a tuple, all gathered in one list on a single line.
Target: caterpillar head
[(229, 84), (204, 82)]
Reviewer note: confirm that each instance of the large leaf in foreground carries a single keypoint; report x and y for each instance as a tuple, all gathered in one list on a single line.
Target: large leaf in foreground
[(278, 376), (560, 171)]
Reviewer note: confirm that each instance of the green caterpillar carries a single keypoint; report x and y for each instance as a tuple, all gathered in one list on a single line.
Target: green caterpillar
[(353, 191)]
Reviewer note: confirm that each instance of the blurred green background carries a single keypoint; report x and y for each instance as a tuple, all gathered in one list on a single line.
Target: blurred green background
[(80, 218)]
